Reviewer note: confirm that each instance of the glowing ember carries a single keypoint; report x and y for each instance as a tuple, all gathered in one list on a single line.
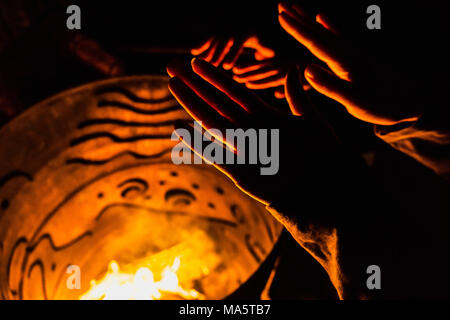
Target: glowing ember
[(141, 285)]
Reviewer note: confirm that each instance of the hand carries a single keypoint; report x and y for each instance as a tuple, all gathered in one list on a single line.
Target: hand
[(226, 51), (262, 72), (308, 150), (307, 194), (368, 91)]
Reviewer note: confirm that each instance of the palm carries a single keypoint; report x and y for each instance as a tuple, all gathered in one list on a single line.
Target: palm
[(305, 143)]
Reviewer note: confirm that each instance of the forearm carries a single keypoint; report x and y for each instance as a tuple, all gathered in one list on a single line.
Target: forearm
[(341, 225)]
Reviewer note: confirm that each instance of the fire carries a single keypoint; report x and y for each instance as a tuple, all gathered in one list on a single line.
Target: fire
[(171, 273), (141, 285)]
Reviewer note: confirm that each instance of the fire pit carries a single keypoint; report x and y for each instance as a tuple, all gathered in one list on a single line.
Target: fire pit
[(92, 206)]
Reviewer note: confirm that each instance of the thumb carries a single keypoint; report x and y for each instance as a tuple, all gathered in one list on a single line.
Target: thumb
[(295, 95), (326, 22), (329, 84)]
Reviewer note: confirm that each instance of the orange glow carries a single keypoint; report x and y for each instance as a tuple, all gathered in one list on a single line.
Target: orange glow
[(238, 70), (169, 274), (141, 285), (305, 33), (202, 48), (277, 80), (279, 94), (263, 52), (255, 77), (322, 20), (121, 220), (212, 51), (225, 51)]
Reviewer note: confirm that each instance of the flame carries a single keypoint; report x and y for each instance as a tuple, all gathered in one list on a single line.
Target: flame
[(168, 274), (141, 285)]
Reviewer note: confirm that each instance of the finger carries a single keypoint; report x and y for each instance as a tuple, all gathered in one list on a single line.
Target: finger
[(257, 75), (300, 11), (221, 51), (285, 7), (306, 86), (319, 42), (198, 129), (306, 34), (279, 93), (344, 92), (258, 56), (323, 20), (270, 82), (211, 95), (251, 66), (257, 72), (196, 107), (294, 10), (238, 173), (205, 46), (330, 85), (231, 170), (209, 53), (238, 93), (295, 95), (234, 54), (263, 52)]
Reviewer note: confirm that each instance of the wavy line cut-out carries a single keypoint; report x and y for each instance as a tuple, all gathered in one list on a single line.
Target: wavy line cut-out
[(40, 264), (132, 96), (135, 155), (129, 107), (169, 212), (13, 175), (98, 121), (117, 139)]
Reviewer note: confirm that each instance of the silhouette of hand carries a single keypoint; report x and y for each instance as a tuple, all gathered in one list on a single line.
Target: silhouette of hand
[(226, 51), (368, 91), (312, 164), (262, 71), (307, 148), (265, 74)]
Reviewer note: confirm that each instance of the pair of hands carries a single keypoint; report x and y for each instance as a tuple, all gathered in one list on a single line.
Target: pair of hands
[(211, 96), (313, 166), (368, 91)]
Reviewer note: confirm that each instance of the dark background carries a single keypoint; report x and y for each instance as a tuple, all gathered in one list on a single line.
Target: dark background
[(38, 58), (34, 39)]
